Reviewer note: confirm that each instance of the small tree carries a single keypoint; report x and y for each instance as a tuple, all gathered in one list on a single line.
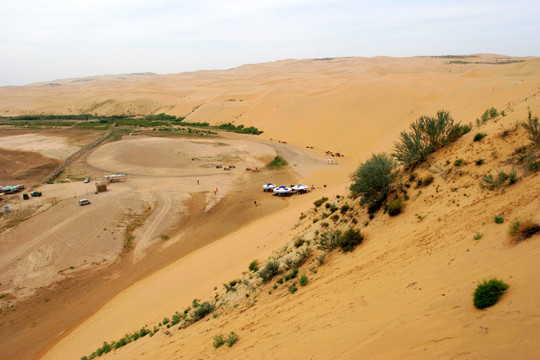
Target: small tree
[(373, 179)]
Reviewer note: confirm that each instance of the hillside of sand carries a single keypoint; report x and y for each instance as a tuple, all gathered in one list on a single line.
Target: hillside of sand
[(362, 304)]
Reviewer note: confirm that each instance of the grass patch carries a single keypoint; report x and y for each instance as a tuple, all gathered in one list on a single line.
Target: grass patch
[(488, 293), (277, 163)]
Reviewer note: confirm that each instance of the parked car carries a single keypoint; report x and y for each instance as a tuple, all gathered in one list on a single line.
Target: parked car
[(36, 194), (87, 180), (84, 202), (25, 196)]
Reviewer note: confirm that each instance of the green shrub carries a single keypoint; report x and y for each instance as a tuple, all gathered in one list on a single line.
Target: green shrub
[(479, 136), (524, 229), (373, 179), (218, 341), (488, 293), (303, 280), (489, 114), (395, 207), (277, 163), (344, 208), (426, 135), (533, 128), (350, 239), (204, 309), (499, 219), (491, 182), (478, 235), (232, 339), (479, 162), (459, 162), (292, 289), (319, 202), (254, 266), (299, 242), (270, 270), (427, 180), (330, 240)]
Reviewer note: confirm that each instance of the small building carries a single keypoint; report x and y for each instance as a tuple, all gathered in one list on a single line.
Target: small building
[(101, 186), (114, 178)]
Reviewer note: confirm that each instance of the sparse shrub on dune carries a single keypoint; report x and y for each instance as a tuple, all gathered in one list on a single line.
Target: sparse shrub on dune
[(426, 135), (491, 182), (395, 207), (303, 280), (521, 230), (499, 219), (488, 293), (373, 180), (350, 239), (254, 266), (319, 202), (270, 270), (533, 128), (219, 340), (329, 240), (479, 136), (232, 339), (204, 309)]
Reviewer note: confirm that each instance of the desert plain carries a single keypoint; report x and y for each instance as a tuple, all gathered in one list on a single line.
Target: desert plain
[(177, 228)]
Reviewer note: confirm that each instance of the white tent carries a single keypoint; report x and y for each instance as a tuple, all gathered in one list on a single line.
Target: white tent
[(269, 186), (282, 190)]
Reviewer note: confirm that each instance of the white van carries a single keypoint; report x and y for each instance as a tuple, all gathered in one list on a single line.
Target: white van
[(84, 202)]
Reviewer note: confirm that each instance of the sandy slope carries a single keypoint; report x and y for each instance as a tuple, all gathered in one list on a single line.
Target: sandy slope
[(405, 293), (365, 304)]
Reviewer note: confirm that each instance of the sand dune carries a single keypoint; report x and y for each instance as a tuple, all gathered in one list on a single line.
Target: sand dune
[(406, 292)]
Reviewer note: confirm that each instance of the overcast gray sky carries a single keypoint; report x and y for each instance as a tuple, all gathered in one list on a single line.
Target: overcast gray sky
[(43, 40)]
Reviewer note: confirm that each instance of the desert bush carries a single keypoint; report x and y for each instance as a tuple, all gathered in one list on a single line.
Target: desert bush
[(373, 180), (330, 240), (232, 339), (521, 230), (219, 340), (530, 163), (321, 258), (395, 207), (204, 309), (319, 202), (427, 180), (350, 239), (459, 162), (479, 136), (489, 114), (303, 280), (269, 271), (254, 266), (426, 135), (499, 219), (478, 235), (479, 162), (302, 258), (491, 182), (299, 242), (533, 128), (344, 208), (488, 293), (335, 217), (291, 275), (292, 289)]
